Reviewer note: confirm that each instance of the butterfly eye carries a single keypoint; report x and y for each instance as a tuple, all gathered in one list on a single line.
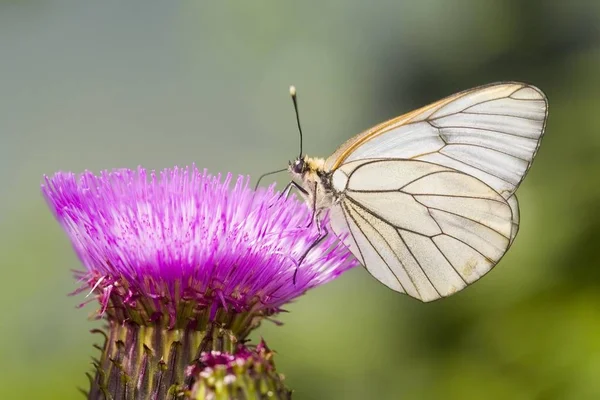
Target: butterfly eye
[(299, 166)]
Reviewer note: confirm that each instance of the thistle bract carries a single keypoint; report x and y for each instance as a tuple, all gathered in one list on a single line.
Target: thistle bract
[(217, 375)]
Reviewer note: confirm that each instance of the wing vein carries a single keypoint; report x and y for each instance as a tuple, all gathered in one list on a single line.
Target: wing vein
[(488, 148), (494, 99), (483, 129), (480, 102), (419, 178), (418, 263), (362, 257), (382, 218), (477, 168), (379, 254), (462, 216), (500, 115), (446, 258), (466, 244), (456, 196)]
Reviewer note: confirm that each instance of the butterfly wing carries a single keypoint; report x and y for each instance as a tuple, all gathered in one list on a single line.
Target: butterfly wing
[(428, 199), (420, 228), (514, 207), (491, 132)]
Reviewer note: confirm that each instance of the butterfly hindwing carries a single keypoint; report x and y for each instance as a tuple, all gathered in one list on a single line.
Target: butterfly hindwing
[(428, 233)]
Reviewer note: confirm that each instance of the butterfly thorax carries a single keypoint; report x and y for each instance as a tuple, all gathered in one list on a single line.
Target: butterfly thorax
[(314, 179)]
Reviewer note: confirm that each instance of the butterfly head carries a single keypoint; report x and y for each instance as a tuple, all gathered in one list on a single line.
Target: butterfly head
[(298, 167), (305, 167)]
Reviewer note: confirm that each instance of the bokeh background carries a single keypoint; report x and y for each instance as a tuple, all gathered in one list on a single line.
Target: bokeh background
[(96, 85)]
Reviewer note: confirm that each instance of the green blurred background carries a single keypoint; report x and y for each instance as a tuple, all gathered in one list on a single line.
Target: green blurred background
[(95, 85)]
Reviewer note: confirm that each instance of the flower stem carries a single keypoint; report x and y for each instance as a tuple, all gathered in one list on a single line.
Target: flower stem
[(148, 362), (152, 362)]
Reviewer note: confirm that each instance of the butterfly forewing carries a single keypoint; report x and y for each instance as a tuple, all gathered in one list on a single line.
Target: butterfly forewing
[(491, 132)]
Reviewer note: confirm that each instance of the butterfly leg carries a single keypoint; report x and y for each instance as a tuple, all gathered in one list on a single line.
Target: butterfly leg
[(323, 232), (314, 210), (288, 188)]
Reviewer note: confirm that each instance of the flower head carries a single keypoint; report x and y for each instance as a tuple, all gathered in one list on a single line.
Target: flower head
[(182, 246), (250, 371)]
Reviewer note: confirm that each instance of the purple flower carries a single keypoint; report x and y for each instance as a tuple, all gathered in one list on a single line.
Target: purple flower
[(182, 246)]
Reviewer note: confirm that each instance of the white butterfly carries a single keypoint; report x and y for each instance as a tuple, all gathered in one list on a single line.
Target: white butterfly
[(426, 201)]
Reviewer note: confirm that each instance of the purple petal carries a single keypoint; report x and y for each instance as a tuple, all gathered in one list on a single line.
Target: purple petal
[(188, 233)]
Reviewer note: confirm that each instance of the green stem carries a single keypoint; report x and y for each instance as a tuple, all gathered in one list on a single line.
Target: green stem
[(146, 362)]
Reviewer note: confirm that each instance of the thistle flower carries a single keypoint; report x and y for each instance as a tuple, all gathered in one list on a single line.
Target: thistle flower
[(182, 264), (250, 373)]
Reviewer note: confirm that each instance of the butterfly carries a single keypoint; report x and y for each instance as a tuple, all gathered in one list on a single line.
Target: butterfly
[(426, 201)]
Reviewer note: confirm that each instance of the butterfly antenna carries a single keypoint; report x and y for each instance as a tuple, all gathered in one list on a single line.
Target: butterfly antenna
[(295, 100), (260, 178)]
